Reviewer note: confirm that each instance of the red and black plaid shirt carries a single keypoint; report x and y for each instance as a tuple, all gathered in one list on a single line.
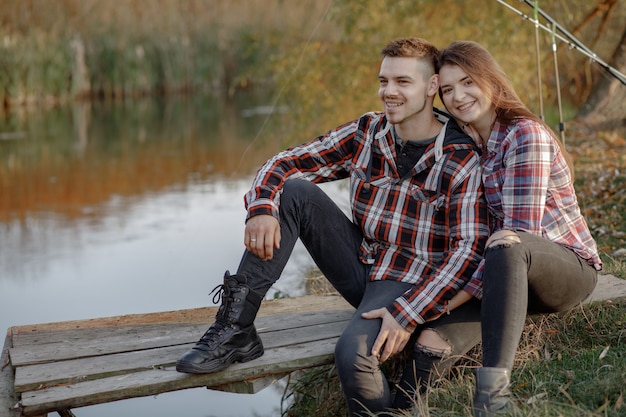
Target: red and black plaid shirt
[(427, 228)]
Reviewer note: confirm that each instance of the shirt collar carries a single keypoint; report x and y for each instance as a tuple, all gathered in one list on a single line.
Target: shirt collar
[(496, 136)]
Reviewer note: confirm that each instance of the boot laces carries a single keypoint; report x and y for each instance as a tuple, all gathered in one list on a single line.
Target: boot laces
[(213, 335), (224, 295), (220, 292), (223, 292)]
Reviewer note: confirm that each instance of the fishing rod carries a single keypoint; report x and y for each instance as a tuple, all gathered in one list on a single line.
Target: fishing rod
[(566, 37), (538, 58)]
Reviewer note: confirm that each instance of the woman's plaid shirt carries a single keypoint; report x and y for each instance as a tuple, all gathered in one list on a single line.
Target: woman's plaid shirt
[(529, 188), (428, 228)]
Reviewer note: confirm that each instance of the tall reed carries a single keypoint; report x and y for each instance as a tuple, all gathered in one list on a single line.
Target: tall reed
[(54, 50)]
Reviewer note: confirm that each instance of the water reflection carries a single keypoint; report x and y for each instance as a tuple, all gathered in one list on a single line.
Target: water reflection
[(68, 160), (133, 208)]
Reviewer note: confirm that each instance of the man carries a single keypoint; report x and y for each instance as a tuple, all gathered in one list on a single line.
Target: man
[(419, 226)]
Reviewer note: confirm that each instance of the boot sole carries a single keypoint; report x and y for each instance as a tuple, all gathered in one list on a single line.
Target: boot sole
[(219, 364)]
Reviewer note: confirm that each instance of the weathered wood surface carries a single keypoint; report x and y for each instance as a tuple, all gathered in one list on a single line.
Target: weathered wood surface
[(59, 366), (8, 398), (99, 356)]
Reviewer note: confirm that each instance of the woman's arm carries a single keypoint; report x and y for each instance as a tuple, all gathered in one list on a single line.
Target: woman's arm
[(459, 298)]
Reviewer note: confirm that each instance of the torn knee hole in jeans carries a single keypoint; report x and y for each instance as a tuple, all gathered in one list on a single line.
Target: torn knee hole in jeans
[(431, 343), (503, 241), (432, 352), (435, 352)]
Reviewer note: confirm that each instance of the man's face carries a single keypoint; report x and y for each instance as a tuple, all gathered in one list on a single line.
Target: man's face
[(402, 89)]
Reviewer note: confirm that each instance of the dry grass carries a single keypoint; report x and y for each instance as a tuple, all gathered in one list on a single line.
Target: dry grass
[(560, 357)]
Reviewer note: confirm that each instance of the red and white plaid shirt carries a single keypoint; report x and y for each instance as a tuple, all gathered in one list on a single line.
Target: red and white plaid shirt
[(428, 228), (528, 187)]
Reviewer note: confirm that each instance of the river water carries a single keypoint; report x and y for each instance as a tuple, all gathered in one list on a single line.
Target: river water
[(111, 210)]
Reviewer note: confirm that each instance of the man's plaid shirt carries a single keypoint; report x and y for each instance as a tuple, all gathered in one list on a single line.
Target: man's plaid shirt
[(428, 228)]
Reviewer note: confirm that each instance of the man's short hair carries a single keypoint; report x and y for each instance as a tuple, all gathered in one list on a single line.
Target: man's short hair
[(417, 48)]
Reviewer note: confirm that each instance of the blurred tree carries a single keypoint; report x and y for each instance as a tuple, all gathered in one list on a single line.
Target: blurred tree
[(605, 107)]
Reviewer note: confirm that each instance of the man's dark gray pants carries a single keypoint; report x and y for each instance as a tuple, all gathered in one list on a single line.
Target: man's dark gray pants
[(333, 241)]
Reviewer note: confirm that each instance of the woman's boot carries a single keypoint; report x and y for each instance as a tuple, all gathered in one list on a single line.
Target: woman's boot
[(492, 396)]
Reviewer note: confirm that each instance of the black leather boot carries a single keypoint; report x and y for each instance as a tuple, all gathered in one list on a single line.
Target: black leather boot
[(233, 337), (492, 396), (419, 369)]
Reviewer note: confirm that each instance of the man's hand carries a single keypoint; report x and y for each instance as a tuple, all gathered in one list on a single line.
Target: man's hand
[(262, 236), (392, 335)]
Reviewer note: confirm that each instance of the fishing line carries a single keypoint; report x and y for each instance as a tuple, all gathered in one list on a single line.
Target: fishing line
[(567, 38), (538, 57), (558, 86), (282, 88)]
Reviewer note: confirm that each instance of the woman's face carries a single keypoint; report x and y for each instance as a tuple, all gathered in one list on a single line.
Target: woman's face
[(464, 100)]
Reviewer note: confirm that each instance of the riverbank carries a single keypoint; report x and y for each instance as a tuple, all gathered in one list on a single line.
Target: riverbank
[(559, 357)]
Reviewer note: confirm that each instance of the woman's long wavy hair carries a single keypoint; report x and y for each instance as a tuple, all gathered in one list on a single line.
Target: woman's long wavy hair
[(488, 75)]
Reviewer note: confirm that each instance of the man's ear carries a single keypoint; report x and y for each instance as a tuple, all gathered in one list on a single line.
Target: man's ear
[(433, 85)]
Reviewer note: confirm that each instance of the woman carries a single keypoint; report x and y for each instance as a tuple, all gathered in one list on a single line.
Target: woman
[(540, 257)]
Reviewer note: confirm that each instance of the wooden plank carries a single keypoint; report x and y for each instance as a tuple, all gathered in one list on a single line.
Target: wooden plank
[(609, 287), (202, 315), (158, 331), (8, 398), (55, 346), (152, 382), (77, 336), (153, 330), (73, 371)]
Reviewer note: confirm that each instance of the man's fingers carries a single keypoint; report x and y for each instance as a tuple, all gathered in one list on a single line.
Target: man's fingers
[(378, 344), (381, 339), (277, 238), (391, 335), (402, 345), (262, 235), (267, 249), (374, 314), (390, 349)]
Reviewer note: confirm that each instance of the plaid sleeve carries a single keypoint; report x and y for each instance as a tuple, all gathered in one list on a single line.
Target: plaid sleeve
[(325, 158), (475, 285)]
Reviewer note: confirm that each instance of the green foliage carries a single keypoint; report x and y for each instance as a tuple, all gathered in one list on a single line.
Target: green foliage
[(579, 349), (312, 51), (31, 67), (346, 64), (133, 48)]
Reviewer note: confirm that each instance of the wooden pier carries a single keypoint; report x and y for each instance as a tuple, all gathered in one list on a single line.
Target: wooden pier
[(62, 366), (58, 367)]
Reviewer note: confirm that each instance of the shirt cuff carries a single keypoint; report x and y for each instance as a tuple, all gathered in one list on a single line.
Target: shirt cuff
[(474, 287), (257, 209)]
